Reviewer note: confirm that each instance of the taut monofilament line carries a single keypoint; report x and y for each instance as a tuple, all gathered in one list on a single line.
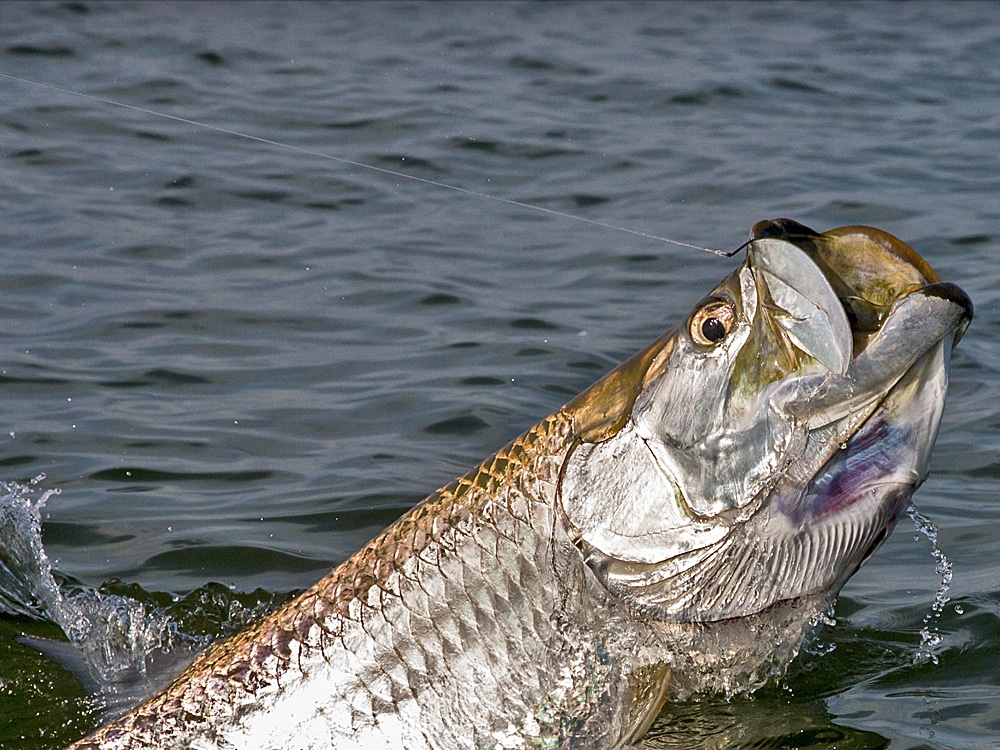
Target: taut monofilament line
[(362, 165)]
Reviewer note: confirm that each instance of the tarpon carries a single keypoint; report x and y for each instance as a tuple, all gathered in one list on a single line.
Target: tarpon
[(675, 528)]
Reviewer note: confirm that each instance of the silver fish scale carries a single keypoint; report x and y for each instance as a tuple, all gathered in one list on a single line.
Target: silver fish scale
[(467, 624)]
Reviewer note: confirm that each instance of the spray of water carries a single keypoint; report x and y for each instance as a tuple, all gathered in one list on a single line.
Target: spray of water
[(930, 635), (113, 635), (814, 645)]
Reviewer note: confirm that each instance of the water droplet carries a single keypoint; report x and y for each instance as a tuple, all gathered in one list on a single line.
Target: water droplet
[(930, 636), (959, 610)]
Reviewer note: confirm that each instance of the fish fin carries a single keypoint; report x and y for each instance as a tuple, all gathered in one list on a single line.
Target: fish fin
[(648, 691)]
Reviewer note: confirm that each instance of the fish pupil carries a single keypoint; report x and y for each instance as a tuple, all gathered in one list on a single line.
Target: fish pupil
[(713, 329)]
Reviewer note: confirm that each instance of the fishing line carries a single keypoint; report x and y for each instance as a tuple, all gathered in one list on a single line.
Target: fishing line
[(361, 165)]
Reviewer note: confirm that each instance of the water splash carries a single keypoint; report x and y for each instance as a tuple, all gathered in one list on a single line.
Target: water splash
[(930, 635), (814, 645), (24, 590), (734, 658), (123, 645), (115, 635)]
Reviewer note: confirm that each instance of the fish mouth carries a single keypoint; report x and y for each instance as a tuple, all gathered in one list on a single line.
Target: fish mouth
[(765, 457), (879, 334), (870, 313)]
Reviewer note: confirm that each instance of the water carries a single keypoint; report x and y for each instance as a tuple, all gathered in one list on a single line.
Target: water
[(238, 362)]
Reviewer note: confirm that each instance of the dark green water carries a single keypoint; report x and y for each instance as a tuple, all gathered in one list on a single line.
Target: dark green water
[(237, 362)]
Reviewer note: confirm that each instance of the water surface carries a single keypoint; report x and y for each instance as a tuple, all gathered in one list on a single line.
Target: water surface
[(237, 361)]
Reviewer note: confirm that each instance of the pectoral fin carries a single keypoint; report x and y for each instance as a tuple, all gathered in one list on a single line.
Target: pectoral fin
[(648, 691)]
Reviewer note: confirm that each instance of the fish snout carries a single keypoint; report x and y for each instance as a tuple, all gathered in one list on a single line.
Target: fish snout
[(956, 296)]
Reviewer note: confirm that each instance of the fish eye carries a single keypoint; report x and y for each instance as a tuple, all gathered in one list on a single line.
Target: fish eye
[(712, 322)]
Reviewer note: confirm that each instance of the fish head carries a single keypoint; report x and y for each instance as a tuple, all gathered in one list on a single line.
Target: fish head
[(762, 450)]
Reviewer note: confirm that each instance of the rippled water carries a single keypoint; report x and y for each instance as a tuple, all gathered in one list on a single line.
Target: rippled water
[(237, 361)]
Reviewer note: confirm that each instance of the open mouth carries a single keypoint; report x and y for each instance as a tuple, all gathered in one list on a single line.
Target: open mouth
[(887, 325), (775, 437), (870, 272), (871, 423)]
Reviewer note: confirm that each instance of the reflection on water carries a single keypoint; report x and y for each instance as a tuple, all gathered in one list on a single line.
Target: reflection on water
[(239, 362), (762, 722)]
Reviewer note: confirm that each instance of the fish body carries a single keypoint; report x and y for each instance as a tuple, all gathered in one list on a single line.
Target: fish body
[(468, 623), (675, 528)]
